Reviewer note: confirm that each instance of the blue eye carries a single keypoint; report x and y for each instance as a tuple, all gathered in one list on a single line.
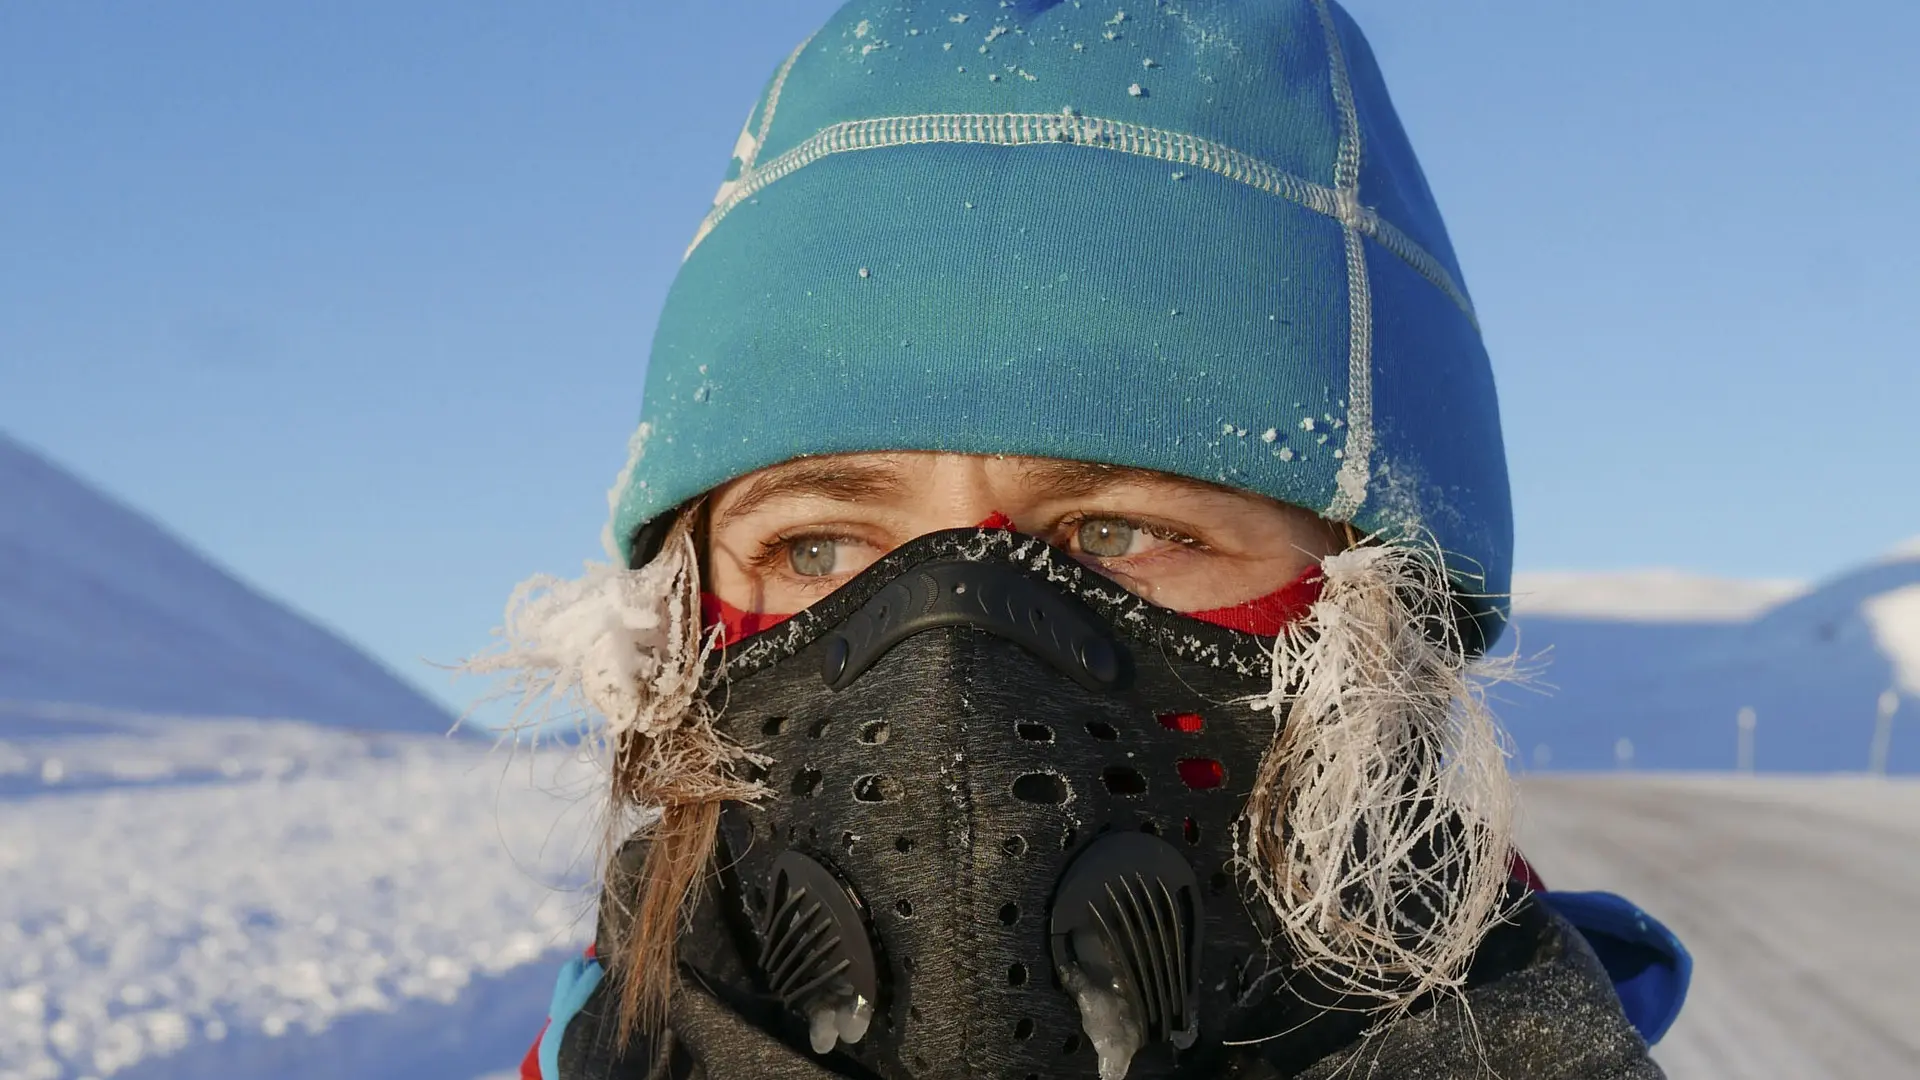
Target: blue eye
[(1105, 538), (813, 556)]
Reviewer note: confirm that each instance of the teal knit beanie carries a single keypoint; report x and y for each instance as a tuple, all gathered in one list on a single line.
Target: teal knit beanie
[(1183, 236)]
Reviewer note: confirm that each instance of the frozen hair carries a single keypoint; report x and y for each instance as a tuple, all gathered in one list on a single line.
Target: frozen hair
[(1379, 830), (628, 645)]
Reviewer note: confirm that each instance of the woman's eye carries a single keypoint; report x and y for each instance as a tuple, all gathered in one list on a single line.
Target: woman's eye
[(813, 556), (1106, 538)]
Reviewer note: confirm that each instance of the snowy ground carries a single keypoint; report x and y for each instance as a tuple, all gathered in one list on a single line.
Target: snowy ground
[(192, 898), (184, 898), (1798, 897)]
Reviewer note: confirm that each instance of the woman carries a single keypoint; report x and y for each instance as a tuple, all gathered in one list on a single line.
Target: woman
[(1068, 499)]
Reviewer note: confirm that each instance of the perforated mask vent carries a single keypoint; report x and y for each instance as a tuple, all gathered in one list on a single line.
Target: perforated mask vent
[(958, 775)]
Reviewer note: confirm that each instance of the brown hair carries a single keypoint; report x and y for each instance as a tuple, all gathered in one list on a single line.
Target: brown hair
[(678, 771), (654, 902)]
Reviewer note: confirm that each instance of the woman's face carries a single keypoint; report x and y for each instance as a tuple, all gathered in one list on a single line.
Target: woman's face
[(781, 538)]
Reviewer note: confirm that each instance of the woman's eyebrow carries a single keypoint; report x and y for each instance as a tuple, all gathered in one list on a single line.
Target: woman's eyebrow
[(839, 480), (1080, 479)]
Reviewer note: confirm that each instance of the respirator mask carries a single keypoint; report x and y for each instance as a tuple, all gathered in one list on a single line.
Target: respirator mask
[(1000, 841)]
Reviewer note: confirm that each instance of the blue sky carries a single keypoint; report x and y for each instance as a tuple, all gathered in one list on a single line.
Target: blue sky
[(356, 297)]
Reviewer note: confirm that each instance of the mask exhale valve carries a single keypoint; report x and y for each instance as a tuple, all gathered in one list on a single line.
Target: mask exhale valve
[(1126, 938), (816, 956)]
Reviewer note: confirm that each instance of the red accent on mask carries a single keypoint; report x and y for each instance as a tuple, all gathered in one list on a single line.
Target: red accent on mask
[(1201, 774), (1187, 723), (996, 520), (1268, 615), (735, 623)]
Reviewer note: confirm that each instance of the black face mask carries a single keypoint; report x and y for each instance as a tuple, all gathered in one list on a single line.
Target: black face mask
[(1006, 790)]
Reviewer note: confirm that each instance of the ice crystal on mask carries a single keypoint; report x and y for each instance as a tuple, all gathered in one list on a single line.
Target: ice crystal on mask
[(838, 1016), (1115, 1032)]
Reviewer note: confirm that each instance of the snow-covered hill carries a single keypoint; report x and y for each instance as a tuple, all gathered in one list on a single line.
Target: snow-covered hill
[(338, 891), (100, 606), (1652, 595), (1653, 670)]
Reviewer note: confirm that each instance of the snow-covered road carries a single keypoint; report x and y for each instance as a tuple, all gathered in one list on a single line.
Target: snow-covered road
[(1799, 897)]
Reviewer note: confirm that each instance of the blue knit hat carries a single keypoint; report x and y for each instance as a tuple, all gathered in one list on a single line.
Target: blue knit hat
[(1183, 236)]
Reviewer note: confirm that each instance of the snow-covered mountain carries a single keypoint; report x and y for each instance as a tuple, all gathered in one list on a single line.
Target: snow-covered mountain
[(1666, 662), (1651, 595), (99, 606)]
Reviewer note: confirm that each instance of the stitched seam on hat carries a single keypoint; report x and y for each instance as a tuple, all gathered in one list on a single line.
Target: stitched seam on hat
[(1350, 483), (1059, 129), (1025, 129), (1423, 263), (773, 102), (1346, 159)]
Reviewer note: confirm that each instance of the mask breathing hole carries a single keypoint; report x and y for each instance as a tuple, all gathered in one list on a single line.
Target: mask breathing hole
[(1015, 845), (874, 733), (903, 844), (1202, 774), (847, 840), (1039, 733), (874, 788), (1151, 828), (1017, 975), (1102, 730), (1192, 831), (1024, 1029), (1009, 914), (1041, 787), (1187, 723), (1124, 780), (806, 782), (905, 908), (819, 728), (773, 725), (1071, 1046)]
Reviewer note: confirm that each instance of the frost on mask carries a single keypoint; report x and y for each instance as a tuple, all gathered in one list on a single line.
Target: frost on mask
[(1107, 1018)]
